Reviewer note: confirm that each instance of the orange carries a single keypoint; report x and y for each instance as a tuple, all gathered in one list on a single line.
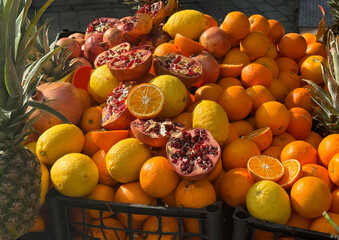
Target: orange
[(263, 235), (85, 97), (104, 193), (299, 97), (310, 197), (259, 94), (251, 120), (318, 171), (211, 21), (235, 177), (255, 45), (264, 167), (39, 225), (292, 45), (184, 118), (320, 224), (106, 139), (237, 153), (228, 81), (335, 201), (99, 159), (309, 37), (311, 69), (232, 135), (290, 78), (168, 224), (272, 51), (78, 218), (136, 224), (278, 90), (236, 25), (300, 150), (327, 148), (133, 193), (89, 146), (169, 200), (270, 63), (282, 139), (276, 30), (273, 151), (256, 74), (301, 60), (104, 233), (300, 123), (186, 46), (157, 177), (262, 137), (274, 115), (165, 48), (287, 64), (216, 171), (90, 119), (333, 169), (216, 184), (236, 102), (242, 127), (292, 173), (236, 61), (313, 138), (259, 23), (296, 220), (317, 49), (145, 101), (209, 91)]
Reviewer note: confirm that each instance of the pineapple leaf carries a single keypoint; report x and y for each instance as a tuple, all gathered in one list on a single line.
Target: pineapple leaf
[(329, 219), (48, 109), (12, 81), (3, 98)]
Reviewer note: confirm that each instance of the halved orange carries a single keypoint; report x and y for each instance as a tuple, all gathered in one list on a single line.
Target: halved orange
[(230, 70), (264, 167), (292, 173), (106, 139), (186, 46), (262, 137), (145, 101)]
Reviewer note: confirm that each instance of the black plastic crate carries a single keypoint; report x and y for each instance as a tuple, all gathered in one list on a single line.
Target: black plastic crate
[(36, 236), (211, 218), (244, 227)]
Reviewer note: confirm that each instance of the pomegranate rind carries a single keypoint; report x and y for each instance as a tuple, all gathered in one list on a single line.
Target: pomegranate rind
[(158, 9), (137, 26), (204, 149), (105, 23), (152, 139)]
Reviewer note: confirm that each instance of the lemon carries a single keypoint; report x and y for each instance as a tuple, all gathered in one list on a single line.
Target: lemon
[(190, 23), (101, 83), (125, 159), (58, 141), (267, 200), (74, 175), (175, 95), (31, 146), (44, 182), (211, 116)]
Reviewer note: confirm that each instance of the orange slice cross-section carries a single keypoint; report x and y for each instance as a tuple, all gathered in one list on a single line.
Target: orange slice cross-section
[(264, 167)]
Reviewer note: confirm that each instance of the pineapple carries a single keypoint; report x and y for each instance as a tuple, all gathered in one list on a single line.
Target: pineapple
[(20, 171)]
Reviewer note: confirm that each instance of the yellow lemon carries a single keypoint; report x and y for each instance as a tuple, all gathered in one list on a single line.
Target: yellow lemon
[(211, 116), (74, 175), (44, 182), (125, 159), (267, 200), (31, 146), (175, 95), (58, 141), (190, 23), (101, 83)]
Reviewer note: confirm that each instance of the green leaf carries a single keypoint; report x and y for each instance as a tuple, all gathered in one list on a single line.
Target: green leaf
[(12, 82), (46, 108), (329, 219)]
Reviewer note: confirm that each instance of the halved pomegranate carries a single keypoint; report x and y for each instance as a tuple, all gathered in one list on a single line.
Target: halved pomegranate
[(193, 153), (108, 55), (144, 47), (137, 26), (115, 114), (101, 25), (94, 46), (155, 132), (131, 65), (188, 70), (156, 10)]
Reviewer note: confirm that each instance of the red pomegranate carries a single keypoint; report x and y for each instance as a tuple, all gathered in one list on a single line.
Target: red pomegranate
[(100, 25), (113, 36), (215, 41), (108, 55), (80, 37), (137, 26), (94, 46), (155, 10), (72, 46), (210, 68)]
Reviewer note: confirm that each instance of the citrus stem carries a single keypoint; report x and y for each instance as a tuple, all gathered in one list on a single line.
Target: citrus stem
[(329, 219)]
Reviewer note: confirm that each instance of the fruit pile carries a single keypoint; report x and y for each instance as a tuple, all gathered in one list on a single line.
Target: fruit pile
[(182, 112)]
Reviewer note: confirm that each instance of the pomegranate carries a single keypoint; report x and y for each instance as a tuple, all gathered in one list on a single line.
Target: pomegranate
[(113, 36), (115, 114), (100, 25), (193, 153), (188, 70), (94, 46), (62, 97), (72, 46), (156, 36), (145, 47), (78, 62), (137, 26), (108, 55), (131, 65), (155, 132), (80, 37), (215, 41), (156, 10), (210, 68)]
